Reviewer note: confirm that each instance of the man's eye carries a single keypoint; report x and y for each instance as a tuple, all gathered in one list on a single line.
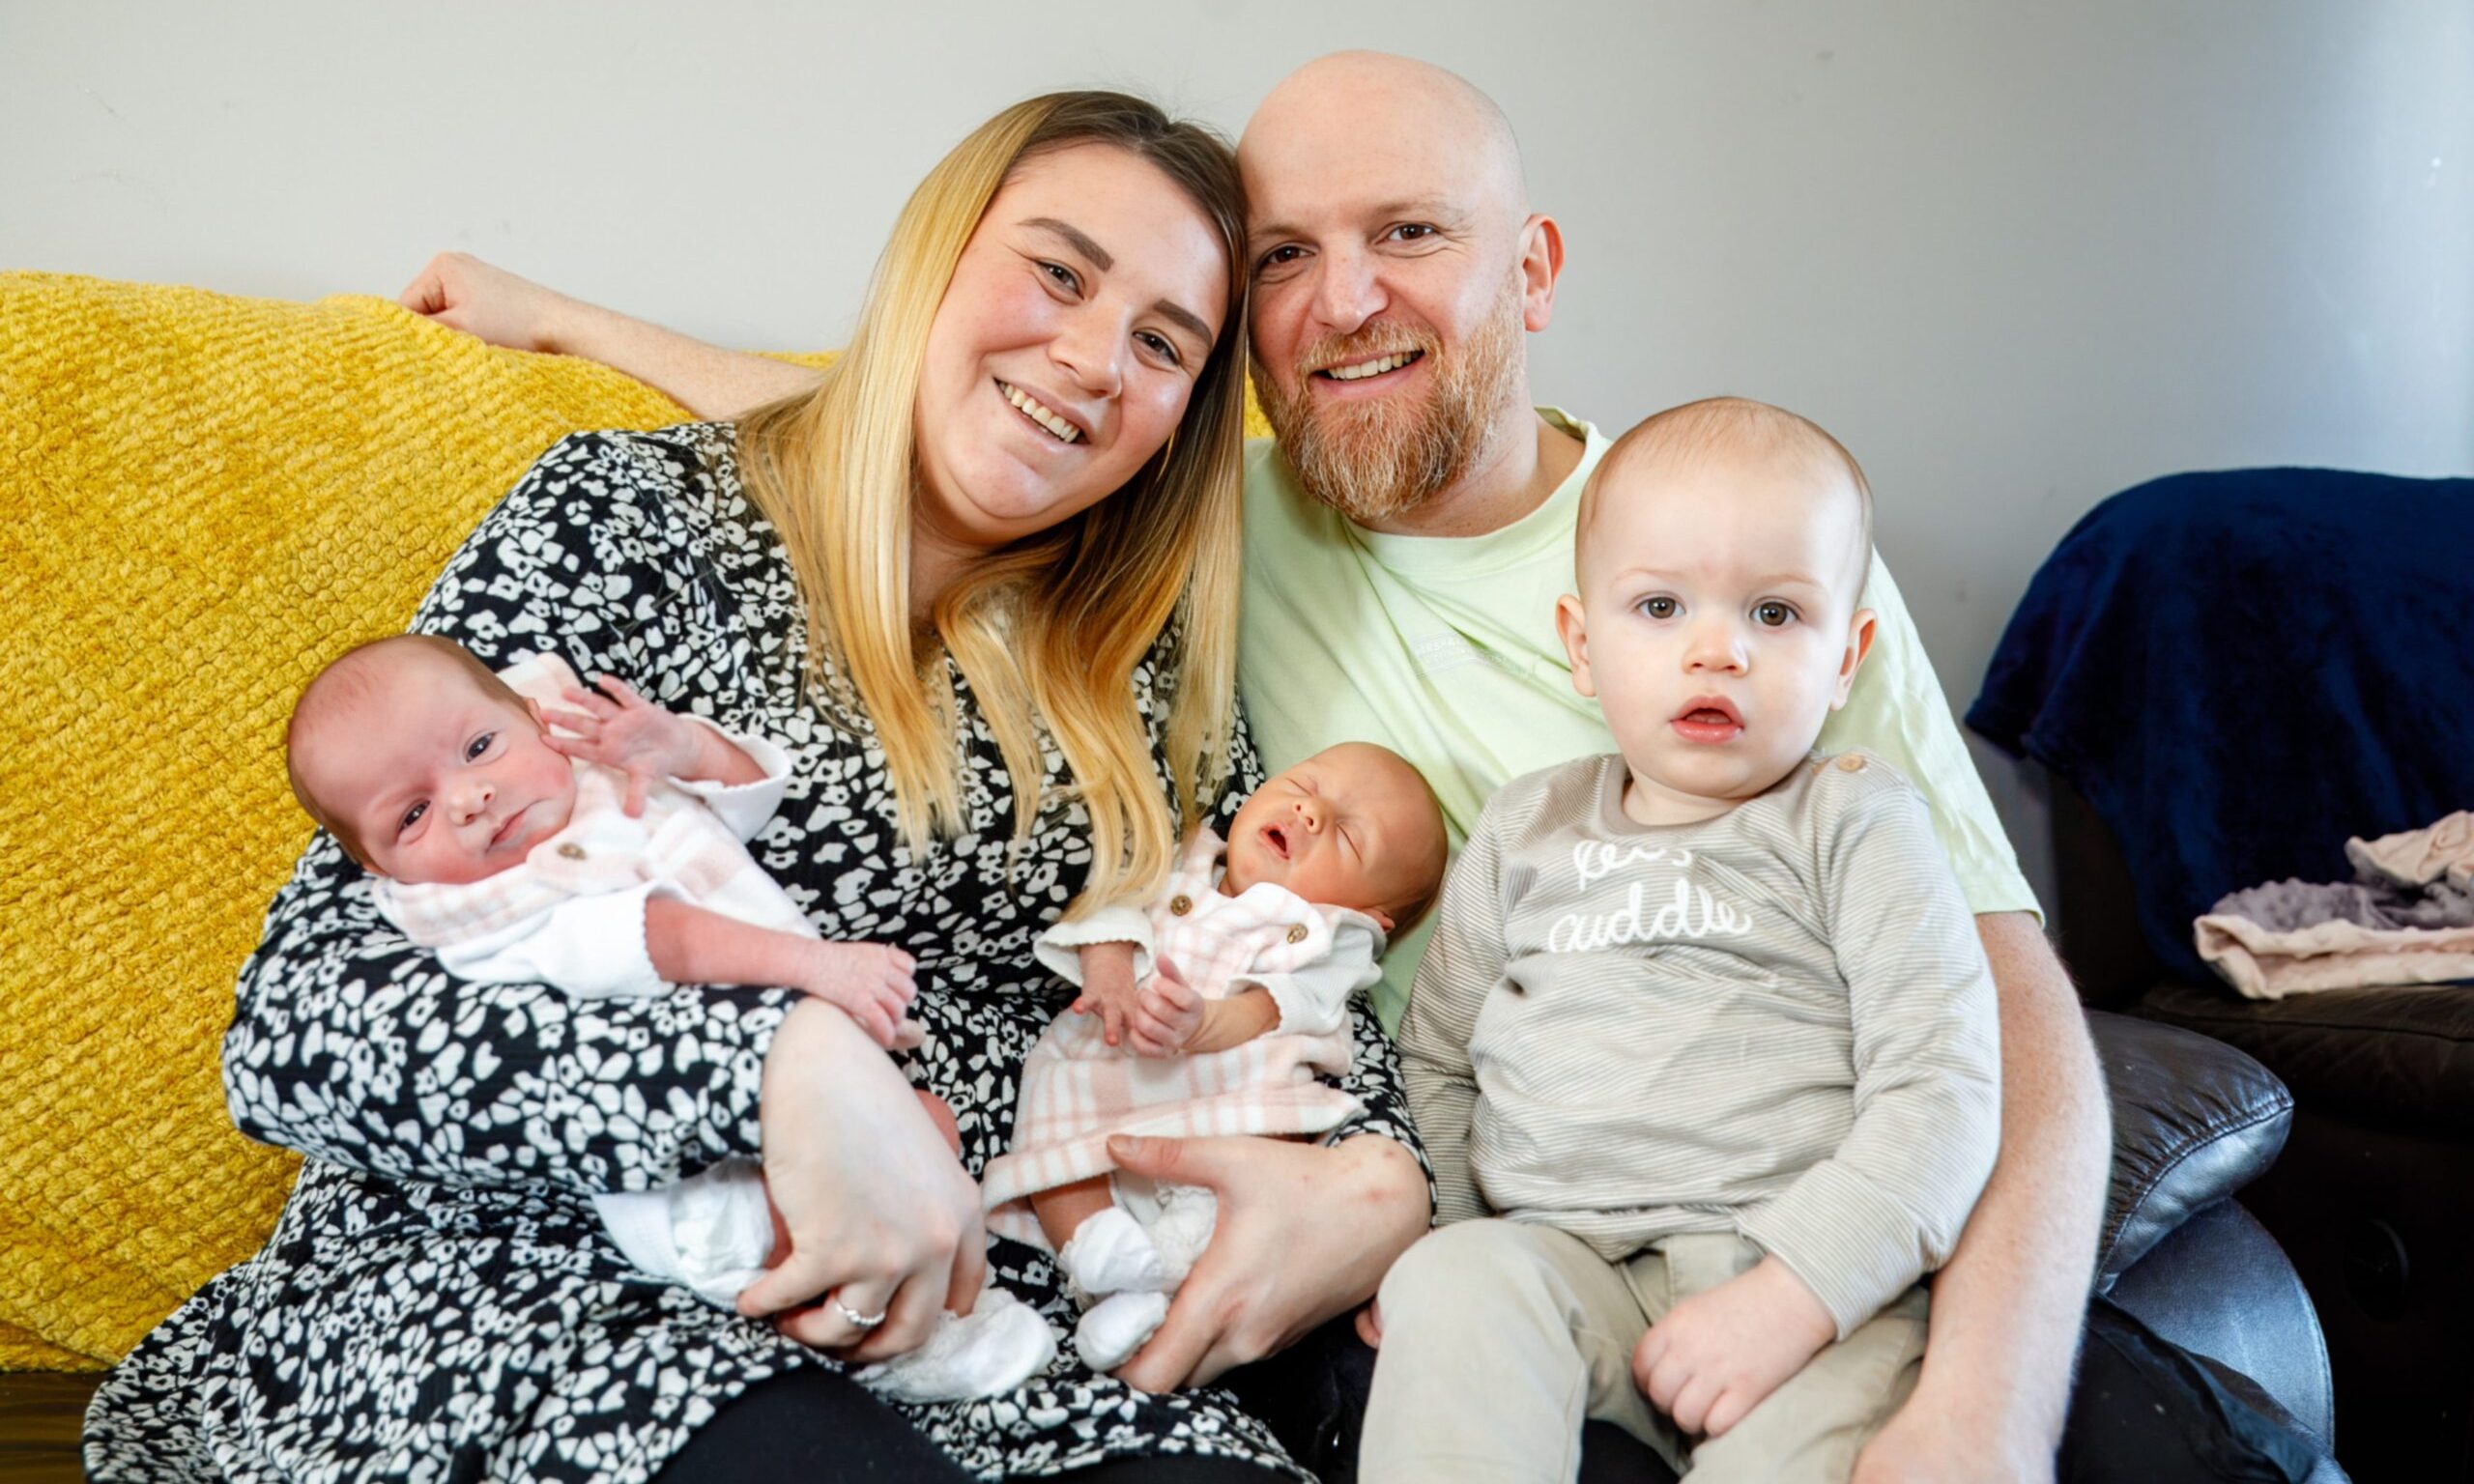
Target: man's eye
[(412, 816), (1280, 257), (478, 745), (1774, 614), (1412, 230), (1660, 607)]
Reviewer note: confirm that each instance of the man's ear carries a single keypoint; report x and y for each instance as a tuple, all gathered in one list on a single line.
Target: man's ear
[(1571, 626), (1541, 262), (1860, 644)]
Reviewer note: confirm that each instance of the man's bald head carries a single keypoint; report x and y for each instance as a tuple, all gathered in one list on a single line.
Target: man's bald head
[(1359, 101), (1393, 251)]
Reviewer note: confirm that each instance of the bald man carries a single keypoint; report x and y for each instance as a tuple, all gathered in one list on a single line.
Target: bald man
[(1408, 533)]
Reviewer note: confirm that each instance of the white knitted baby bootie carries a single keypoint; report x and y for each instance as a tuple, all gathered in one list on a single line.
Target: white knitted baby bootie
[(1001, 1343), (1116, 1327), (1110, 1253), (1187, 1216)]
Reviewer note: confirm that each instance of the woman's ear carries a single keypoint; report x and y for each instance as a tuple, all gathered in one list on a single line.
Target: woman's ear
[(1860, 644), (1572, 625)]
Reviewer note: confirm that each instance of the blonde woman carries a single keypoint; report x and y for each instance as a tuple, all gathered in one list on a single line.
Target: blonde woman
[(983, 582)]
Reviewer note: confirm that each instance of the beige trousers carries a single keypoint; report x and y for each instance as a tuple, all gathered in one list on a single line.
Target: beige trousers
[(1500, 1337)]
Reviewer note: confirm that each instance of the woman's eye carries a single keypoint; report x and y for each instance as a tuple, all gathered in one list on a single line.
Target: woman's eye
[(478, 745), (1773, 614), (1062, 276), (1660, 607), (412, 816), (1160, 346)]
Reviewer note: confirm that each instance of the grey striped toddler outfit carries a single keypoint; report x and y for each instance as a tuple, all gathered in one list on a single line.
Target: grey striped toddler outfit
[(1775, 1025)]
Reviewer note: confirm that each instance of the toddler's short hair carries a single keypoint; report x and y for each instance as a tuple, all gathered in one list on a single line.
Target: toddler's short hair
[(1698, 429)]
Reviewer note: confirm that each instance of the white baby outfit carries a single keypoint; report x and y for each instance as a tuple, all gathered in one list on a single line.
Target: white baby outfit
[(572, 917), (1077, 1090)]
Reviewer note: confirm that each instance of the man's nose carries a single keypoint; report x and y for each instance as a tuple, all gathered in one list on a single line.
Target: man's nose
[(1347, 292)]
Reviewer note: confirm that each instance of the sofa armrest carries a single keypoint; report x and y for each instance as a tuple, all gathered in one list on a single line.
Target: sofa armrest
[(2194, 1121)]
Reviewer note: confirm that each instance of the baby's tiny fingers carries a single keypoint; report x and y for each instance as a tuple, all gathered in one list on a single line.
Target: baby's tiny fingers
[(619, 691)]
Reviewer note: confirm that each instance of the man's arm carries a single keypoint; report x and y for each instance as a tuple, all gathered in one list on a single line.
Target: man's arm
[(464, 293), (2007, 1309)]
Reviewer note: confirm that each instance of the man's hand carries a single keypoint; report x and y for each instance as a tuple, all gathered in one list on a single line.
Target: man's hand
[(1717, 1353), (1107, 988), (1924, 1443), (1370, 1323), (463, 293), (622, 730), (873, 983), (1167, 1013)]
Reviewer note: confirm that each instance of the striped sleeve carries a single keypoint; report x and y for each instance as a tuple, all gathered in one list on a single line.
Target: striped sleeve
[(1462, 962), (1864, 1225)]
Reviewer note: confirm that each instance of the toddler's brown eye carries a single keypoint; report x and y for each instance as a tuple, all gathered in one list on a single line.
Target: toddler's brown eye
[(1774, 614), (1658, 607)]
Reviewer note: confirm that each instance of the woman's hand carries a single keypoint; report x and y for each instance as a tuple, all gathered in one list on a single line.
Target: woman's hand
[(1305, 1233), (463, 293), (881, 1216)]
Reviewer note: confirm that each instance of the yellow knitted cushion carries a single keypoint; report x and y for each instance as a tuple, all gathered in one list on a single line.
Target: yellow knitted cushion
[(211, 496)]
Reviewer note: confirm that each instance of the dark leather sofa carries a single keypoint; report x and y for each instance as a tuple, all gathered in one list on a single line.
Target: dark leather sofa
[(2374, 1196), (2222, 677)]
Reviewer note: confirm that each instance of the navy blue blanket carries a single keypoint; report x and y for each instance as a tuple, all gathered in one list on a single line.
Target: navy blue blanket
[(2238, 671)]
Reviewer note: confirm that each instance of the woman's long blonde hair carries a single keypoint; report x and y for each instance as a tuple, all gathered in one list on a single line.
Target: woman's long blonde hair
[(1049, 629)]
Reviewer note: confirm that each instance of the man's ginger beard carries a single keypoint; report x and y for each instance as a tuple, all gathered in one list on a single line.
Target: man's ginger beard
[(1380, 457)]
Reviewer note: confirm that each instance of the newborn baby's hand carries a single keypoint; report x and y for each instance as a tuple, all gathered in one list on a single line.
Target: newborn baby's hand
[(623, 730), (1717, 1353), (1107, 988), (872, 982), (1167, 1013)]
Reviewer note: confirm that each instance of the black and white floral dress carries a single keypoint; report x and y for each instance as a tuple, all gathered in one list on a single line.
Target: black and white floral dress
[(437, 1300)]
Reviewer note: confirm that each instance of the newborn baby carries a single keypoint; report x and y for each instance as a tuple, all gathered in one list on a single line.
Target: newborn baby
[(606, 858), (1209, 1009)]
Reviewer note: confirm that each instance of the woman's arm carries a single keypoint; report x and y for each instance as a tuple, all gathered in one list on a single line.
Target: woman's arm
[(462, 292)]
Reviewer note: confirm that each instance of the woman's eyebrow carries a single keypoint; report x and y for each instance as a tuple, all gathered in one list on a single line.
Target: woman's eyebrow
[(1076, 239), (1081, 242)]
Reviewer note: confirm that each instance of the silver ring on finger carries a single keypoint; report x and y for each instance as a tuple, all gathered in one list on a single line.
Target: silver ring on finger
[(853, 1317)]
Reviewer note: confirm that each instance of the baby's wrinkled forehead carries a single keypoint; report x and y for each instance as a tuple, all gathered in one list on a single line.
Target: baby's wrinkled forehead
[(1658, 467)]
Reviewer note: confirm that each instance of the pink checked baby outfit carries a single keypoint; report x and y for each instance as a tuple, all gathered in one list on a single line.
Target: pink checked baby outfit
[(1077, 1090)]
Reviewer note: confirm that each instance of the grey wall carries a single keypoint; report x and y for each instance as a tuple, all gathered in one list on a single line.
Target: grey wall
[(2016, 256)]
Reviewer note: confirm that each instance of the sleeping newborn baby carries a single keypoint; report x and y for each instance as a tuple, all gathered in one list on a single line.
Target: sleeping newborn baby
[(530, 831), (1216, 1005)]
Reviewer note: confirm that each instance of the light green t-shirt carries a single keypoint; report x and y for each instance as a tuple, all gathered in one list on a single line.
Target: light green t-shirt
[(1443, 648)]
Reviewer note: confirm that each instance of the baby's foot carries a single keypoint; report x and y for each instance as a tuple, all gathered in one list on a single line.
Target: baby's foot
[(1187, 1216), (1116, 1328), (1001, 1343), (1111, 1253)]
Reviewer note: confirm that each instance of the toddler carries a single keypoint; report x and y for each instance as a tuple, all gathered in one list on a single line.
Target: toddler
[(606, 858), (1209, 1009), (1705, 1035)]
